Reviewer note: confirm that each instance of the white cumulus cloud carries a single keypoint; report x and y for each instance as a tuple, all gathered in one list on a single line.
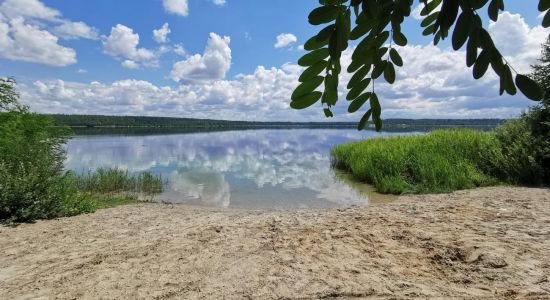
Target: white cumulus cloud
[(123, 42), (434, 83), (161, 35), (211, 65), (25, 42), (179, 50), (28, 9), (178, 7), (75, 30), (30, 32), (516, 40), (285, 39), (181, 7), (130, 64)]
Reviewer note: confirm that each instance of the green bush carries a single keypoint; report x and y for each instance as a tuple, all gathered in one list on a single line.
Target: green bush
[(34, 185), (31, 167), (441, 161), (538, 120), (517, 160)]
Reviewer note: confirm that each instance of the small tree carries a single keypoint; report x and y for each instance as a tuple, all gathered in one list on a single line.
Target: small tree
[(539, 116), (32, 181), (541, 71), (9, 96)]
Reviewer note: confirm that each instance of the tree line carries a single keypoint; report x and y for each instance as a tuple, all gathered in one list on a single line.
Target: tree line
[(143, 121)]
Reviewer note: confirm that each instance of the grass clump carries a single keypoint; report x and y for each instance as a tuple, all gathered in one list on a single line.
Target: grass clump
[(440, 161), (111, 187), (114, 180)]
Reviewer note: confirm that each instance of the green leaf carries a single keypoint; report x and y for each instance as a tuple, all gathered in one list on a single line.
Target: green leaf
[(529, 87), (364, 120), (381, 52), (313, 44), (544, 5), (313, 57), (355, 4), (325, 33), (497, 63), (360, 30), (482, 64), (507, 82), (358, 102), (399, 38), (380, 39), (355, 65), (323, 14), (471, 50), (313, 71), (462, 30), (330, 96), (389, 73), (485, 39), (376, 111), (377, 122), (307, 87), (375, 104), (358, 76), (343, 29), (449, 12), (429, 30), (437, 37), (396, 58), (320, 40), (429, 19), (493, 10), (358, 89), (430, 7), (328, 113), (477, 4), (362, 48), (378, 69), (330, 2), (333, 50), (546, 20), (306, 101), (371, 8)]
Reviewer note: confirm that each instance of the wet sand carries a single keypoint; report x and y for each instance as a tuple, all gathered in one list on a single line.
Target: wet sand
[(482, 243)]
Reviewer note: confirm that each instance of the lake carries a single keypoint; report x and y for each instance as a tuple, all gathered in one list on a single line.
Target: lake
[(253, 169)]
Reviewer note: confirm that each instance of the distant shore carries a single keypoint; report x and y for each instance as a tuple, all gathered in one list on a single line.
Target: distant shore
[(488, 242), (146, 121)]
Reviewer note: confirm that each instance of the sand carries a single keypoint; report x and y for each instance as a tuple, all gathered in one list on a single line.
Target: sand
[(482, 243)]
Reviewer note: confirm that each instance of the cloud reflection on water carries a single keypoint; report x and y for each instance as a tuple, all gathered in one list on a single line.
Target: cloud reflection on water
[(253, 168)]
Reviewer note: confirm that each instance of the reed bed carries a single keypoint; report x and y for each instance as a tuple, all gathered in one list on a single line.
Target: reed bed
[(114, 180), (440, 161)]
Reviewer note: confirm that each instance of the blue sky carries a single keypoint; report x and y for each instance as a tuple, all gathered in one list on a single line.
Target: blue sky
[(230, 66)]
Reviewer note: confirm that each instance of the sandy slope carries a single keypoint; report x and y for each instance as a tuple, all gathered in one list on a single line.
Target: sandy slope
[(491, 242)]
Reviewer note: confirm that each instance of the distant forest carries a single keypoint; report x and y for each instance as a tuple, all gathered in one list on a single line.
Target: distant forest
[(163, 122)]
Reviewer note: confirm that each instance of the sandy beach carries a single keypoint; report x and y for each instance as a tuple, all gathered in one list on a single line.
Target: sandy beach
[(482, 243)]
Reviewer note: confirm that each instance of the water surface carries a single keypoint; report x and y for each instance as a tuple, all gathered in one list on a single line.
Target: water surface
[(258, 169)]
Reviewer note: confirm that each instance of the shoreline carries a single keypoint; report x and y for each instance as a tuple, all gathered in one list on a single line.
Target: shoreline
[(489, 242)]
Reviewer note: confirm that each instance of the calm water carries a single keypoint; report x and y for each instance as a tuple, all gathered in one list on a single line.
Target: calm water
[(273, 169)]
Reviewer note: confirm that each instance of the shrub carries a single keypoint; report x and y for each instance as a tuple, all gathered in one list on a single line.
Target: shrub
[(31, 167), (518, 160)]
